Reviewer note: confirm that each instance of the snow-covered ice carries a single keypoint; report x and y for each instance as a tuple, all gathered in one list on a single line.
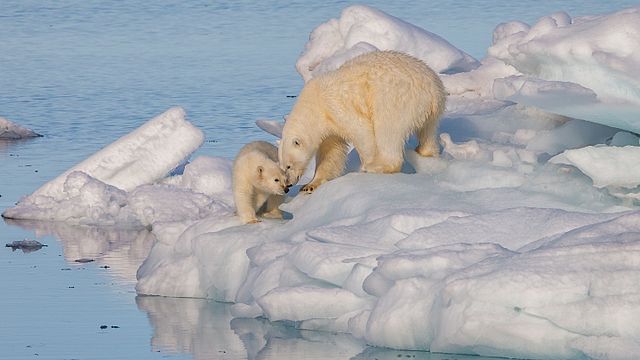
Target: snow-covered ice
[(105, 189), (583, 67), (362, 29), (520, 240), (605, 165)]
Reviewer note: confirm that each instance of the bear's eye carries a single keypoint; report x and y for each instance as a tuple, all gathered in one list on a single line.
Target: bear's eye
[(288, 167), (276, 180)]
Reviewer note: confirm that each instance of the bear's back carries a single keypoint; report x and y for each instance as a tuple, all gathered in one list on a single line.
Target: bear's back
[(257, 149), (377, 72), (381, 64)]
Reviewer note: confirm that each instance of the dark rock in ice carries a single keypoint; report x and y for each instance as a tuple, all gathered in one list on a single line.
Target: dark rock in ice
[(84, 260)]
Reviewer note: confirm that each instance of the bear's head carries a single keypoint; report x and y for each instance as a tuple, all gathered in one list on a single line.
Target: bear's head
[(271, 179), (294, 155)]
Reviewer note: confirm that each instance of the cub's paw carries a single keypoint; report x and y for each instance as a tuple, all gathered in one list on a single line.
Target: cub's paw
[(250, 221), (273, 214)]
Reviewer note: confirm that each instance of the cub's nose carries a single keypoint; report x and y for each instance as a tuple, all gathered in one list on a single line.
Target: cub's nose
[(286, 190)]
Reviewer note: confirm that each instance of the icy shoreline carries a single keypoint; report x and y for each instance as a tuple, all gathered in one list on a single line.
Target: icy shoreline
[(519, 241)]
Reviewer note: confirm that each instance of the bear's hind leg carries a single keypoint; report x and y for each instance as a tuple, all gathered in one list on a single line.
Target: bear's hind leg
[(390, 149), (330, 162), (427, 138), (389, 160)]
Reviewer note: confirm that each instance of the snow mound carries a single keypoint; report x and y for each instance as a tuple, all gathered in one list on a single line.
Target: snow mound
[(141, 157), (605, 165), (585, 67), (362, 29), (600, 53), (12, 131)]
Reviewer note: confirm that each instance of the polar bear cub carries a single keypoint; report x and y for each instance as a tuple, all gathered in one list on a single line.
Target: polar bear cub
[(375, 102), (258, 181)]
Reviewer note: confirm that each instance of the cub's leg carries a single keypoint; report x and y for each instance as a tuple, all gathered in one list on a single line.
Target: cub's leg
[(245, 205), (259, 200), (330, 162), (271, 210)]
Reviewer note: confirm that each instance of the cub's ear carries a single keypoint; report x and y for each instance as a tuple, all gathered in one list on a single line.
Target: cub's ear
[(260, 171)]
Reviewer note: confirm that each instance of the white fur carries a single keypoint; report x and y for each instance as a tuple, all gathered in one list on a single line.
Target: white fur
[(257, 179), (374, 102)]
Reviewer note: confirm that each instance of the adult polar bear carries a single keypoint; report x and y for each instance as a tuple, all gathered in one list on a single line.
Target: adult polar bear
[(374, 102)]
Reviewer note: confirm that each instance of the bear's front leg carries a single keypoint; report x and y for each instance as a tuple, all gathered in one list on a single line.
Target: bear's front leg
[(330, 161)]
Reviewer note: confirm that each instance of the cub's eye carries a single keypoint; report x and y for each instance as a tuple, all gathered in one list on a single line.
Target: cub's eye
[(276, 180), (288, 167)]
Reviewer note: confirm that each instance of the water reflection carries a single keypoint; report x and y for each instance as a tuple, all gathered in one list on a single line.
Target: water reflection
[(266, 340), (200, 328), (26, 245), (195, 326), (205, 329), (121, 250), (7, 144)]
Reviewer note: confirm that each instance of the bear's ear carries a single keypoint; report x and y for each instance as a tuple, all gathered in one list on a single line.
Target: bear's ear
[(260, 171)]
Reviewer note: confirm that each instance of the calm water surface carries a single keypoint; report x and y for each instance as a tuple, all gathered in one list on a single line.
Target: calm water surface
[(84, 73)]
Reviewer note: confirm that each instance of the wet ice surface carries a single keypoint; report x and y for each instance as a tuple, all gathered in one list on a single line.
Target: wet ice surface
[(146, 59)]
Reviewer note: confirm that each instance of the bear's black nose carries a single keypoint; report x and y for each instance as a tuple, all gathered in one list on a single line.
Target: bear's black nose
[(286, 190)]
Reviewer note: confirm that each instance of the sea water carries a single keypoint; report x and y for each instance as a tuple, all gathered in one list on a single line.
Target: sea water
[(85, 73)]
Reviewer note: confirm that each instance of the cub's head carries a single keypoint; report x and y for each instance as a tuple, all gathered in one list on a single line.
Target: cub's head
[(294, 154), (271, 179)]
